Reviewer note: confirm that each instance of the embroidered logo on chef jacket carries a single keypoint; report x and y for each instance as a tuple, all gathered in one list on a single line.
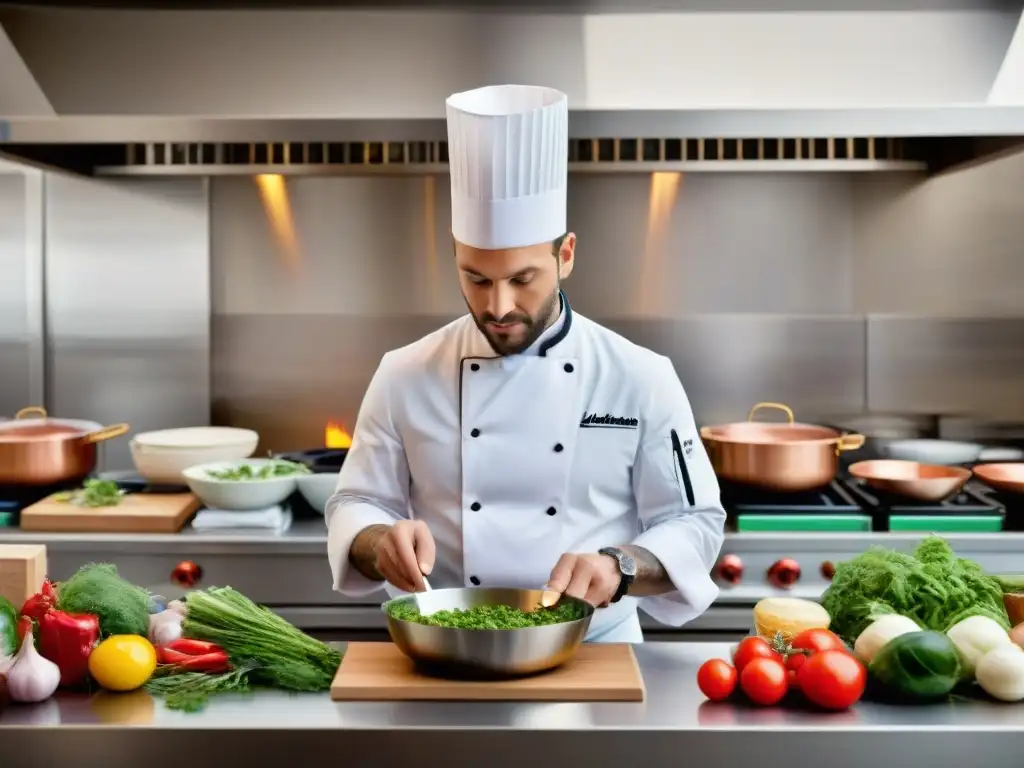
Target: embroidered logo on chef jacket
[(688, 447), (594, 421)]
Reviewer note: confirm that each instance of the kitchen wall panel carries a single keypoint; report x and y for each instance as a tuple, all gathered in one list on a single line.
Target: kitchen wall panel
[(837, 294), (946, 246), (128, 303), (21, 289)]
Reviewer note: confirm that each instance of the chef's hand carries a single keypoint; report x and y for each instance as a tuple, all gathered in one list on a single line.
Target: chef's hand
[(590, 577), (405, 554)]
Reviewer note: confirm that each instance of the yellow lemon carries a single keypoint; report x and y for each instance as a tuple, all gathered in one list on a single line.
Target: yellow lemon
[(122, 662)]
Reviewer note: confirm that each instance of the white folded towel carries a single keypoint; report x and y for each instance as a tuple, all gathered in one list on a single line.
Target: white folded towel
[(274, 518)]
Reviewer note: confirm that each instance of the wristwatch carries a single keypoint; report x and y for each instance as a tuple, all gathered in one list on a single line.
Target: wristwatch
[(627, 570)]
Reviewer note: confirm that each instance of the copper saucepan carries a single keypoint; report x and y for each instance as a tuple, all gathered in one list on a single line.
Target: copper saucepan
[(1008, 478), (38, 450), (911, 479), (779, 457)]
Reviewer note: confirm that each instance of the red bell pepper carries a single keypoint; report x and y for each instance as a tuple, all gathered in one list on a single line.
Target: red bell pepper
[(67, 639), (40, 603)]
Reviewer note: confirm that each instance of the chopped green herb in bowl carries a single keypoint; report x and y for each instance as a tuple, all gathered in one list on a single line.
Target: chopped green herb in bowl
[(487, 616), (262, 471)]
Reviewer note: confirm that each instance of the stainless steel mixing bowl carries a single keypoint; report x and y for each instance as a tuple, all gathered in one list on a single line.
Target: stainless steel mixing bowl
[(511, 652)]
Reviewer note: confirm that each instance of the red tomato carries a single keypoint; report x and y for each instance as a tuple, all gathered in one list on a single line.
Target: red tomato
[(817, 640), (764, 681), (716, 679), (832, 679), (795, 660), (751, 648)]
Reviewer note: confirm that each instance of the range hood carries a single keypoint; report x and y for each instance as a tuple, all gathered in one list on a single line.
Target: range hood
[(356, 91)]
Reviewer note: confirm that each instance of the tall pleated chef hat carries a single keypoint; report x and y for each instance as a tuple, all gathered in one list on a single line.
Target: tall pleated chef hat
[(508, 149)]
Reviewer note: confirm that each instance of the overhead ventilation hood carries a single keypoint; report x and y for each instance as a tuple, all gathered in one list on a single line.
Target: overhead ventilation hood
[(354, 91)]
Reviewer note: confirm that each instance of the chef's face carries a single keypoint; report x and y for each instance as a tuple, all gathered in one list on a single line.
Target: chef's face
[(513, 293)]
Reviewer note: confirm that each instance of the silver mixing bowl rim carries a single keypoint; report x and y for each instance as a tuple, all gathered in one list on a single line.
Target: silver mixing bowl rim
[(588, 612)]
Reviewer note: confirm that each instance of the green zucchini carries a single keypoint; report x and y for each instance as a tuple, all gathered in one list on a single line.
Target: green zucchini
[(917, 667)]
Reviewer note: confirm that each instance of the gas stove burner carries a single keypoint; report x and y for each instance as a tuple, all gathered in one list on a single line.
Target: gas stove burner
[(970, 510), (319, 460), (747, 500)]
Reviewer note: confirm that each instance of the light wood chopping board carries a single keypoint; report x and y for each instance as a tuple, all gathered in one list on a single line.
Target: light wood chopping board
[(381, 672), (137, 513)]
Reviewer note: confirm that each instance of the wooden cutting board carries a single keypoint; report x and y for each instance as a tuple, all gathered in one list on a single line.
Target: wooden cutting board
[(137, 513), (381, 672)]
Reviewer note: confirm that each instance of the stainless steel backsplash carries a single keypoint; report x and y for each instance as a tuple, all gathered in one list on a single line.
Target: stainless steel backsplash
[(836, 294)]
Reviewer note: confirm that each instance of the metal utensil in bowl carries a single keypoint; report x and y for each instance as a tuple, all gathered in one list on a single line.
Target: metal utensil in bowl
[(486, 652)]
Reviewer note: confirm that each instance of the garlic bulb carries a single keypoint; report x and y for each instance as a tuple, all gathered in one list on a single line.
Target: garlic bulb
[(32, 678), (1000, 673), (974, 637), (879, 633), (165, 627)]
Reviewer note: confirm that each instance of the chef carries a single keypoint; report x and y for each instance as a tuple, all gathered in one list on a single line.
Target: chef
[(524, 445)]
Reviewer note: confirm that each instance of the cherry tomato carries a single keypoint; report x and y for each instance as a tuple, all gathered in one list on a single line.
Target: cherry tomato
[(716, 679), (751, 648), (764, 681), (817, 640), (832, 679)]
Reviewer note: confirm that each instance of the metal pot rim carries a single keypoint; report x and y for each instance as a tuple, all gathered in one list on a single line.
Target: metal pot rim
[(714, 433), (9, 429)]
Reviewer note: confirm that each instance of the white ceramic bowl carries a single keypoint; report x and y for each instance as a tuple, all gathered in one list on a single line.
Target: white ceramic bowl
[(238, 495), (318, 488), (162, 456)]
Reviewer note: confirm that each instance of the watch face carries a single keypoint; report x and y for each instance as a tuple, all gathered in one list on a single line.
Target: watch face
[(627, 565)]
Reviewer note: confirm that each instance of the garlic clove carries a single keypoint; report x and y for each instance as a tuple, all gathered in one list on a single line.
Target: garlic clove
[(32, 678)]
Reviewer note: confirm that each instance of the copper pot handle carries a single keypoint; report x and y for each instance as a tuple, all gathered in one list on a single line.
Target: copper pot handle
[(114, 430), (33, 411), (777, 406), (850, 442)]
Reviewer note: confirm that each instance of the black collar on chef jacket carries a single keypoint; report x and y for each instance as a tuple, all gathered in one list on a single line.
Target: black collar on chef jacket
[(562, 332)]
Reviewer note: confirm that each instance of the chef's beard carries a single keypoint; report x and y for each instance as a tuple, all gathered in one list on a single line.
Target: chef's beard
[(535, 326)]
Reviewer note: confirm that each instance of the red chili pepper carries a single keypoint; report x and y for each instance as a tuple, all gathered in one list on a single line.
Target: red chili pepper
[(191, 647), (40, 603), (67, 639), (211, 663)]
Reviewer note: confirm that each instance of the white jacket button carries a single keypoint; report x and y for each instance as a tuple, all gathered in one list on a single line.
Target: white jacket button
[(551, 511), (568, 367), (474, 367), (474, 581), (475, 506), (475, 433), (558, 447)]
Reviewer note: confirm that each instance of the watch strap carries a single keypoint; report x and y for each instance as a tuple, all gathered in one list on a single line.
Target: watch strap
[(625, 579)]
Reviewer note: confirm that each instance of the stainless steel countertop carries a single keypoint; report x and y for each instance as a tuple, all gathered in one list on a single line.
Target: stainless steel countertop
[(674, 719), (310, 535)]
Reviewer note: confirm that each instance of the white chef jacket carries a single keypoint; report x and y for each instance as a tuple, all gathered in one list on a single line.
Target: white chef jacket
[(585, 441)]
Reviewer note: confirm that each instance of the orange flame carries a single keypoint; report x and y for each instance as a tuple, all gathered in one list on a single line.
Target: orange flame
[(336, 436)]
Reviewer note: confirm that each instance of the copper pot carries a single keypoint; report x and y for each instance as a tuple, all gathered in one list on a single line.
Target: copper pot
[(921, 482), (37, 450), (778, 457)]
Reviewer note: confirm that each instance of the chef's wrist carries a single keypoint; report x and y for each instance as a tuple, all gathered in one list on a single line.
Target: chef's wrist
[(362, 555)]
